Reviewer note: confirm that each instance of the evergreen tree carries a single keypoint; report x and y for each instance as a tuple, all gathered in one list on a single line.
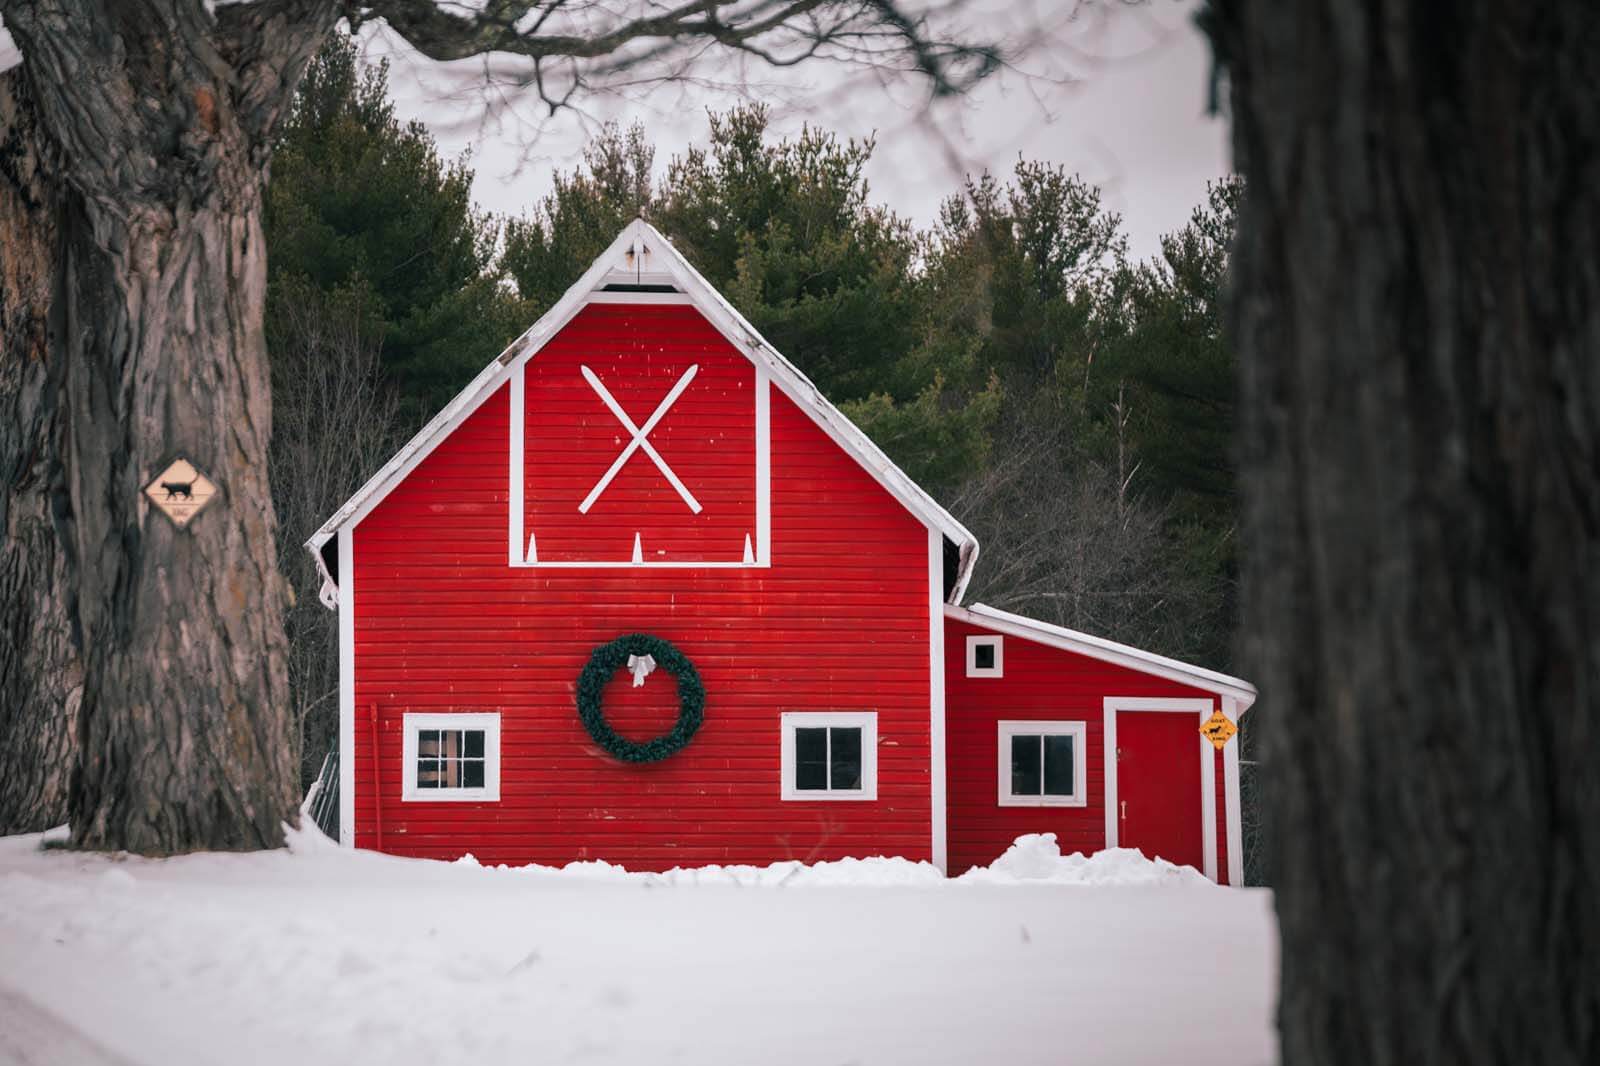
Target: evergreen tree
[(786, 229), (361, 203)]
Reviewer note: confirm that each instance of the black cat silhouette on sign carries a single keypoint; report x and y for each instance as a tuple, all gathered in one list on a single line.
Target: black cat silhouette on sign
[(180, 492)]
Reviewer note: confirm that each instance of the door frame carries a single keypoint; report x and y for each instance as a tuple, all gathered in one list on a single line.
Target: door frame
[(1202, 708)]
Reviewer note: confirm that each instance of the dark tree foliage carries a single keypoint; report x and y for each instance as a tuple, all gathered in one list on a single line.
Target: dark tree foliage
[(785, 228), (1174, 350), (361, 203)]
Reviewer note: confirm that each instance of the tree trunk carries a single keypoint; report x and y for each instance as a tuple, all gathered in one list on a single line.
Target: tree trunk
[(39, 690), (1417, 314), (184, 728)]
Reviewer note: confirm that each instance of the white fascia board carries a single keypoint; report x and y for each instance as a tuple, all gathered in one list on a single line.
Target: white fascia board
[(734, 327), (1110, 651), (467, 401)]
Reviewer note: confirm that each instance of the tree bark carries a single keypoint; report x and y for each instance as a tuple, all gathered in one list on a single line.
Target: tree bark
[(1417, 313), (184, 728), (39, 689)]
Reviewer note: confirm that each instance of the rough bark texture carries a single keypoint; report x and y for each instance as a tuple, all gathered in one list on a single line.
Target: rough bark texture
[(41, 677), (162, 118), (1417, 314)]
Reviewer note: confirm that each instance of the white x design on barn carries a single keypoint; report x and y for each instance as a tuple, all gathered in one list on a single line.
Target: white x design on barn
[(640, 435)]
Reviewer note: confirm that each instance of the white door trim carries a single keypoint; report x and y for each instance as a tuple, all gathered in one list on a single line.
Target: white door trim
[(1230, 795), (347, 688), (1202, 708), (937, 799)]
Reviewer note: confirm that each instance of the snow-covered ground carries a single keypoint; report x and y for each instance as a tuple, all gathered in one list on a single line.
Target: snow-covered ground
[(317, 955)]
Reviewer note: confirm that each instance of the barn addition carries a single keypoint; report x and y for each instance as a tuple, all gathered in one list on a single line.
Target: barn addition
[(641, 593)]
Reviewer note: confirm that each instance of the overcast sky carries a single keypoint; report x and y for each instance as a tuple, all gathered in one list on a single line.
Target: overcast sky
[(1131, 119), (1120, 98)]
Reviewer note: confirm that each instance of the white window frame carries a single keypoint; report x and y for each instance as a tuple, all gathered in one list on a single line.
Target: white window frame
[(415, 723), (866, 721), (993, 640), (1078, 731)]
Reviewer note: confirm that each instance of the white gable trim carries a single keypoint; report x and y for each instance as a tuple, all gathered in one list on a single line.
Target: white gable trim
[(1109, 651), (617, 263)]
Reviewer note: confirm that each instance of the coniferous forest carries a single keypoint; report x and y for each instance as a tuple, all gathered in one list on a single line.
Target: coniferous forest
[(1069, 403)]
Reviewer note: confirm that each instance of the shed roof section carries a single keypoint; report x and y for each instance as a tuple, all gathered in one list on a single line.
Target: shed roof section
[(641, 265), (1110, 651)]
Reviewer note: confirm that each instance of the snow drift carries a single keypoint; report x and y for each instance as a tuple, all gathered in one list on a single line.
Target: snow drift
[(1032, 859)]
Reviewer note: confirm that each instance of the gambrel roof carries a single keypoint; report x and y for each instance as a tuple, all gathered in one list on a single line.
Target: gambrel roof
[(642, 261)]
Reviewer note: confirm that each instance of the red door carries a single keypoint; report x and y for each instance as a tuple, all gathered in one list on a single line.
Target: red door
[(1158, 785)]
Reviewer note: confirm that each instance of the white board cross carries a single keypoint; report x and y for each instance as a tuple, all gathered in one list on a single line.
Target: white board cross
[(640, 441)]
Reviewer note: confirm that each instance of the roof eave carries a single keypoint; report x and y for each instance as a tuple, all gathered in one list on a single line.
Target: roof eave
[(1107, 650)]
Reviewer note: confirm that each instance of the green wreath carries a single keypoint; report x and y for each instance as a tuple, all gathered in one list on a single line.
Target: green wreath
[(606, 661)]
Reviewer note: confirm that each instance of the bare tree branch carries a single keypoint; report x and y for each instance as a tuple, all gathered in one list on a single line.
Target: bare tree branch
[(663, 42)]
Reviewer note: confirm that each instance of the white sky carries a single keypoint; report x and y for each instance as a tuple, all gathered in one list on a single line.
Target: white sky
[(1132, 118)]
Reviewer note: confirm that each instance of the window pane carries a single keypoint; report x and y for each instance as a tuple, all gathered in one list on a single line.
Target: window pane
[(983, 656), (1058, 765), (1025, 766), (451, 739), (428, 743), (472, 773), (846, 759), (427, 773), (810, 758), (472, 747)]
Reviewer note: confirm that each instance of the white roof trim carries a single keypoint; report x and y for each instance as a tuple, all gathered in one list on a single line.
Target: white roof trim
[(609, 268), (1110, 651)]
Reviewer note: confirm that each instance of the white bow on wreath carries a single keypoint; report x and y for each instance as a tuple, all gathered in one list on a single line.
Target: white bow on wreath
[(641, 665)]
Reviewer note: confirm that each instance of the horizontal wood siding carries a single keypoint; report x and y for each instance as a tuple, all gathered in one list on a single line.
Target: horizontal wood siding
[(1045, 683), (839, 622)]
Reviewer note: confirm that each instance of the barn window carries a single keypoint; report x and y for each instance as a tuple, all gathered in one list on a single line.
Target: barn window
[(451, 757), (985, 656), (1042, 764), (830, 755)]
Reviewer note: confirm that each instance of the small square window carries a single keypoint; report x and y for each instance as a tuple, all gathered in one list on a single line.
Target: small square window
[(985, 656), (829, 755), (1042, 764), (451, 757)]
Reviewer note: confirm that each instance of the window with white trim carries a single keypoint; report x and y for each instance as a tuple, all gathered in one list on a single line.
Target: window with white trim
[(1042, 764), (830, 755), (986, 656), (451, 757)]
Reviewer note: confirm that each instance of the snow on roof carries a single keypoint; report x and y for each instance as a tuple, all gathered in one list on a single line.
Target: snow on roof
[(1017, 625), (641, 254)]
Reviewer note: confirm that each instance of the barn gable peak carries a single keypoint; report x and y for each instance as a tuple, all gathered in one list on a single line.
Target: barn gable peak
[(642, 266)]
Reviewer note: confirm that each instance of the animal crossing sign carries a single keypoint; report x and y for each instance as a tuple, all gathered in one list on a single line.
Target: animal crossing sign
[(1218, 729), (180, 492)]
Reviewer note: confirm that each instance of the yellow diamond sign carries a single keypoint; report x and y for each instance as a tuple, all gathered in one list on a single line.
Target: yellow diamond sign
[(180, 492), (1218, 729)]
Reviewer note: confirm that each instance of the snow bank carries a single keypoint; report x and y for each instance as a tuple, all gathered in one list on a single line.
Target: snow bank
[(1032, 859), (1037, 857), (317, 954), (873, 871)]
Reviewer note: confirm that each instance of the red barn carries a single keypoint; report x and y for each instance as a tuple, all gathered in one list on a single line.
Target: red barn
[(641, 593)]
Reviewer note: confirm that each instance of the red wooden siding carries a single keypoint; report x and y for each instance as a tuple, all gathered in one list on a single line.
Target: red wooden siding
[(707, 438), (839, 622), (1044, 683)]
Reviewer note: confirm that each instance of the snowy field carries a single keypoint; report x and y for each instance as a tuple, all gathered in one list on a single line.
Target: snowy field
[(316, 955)]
